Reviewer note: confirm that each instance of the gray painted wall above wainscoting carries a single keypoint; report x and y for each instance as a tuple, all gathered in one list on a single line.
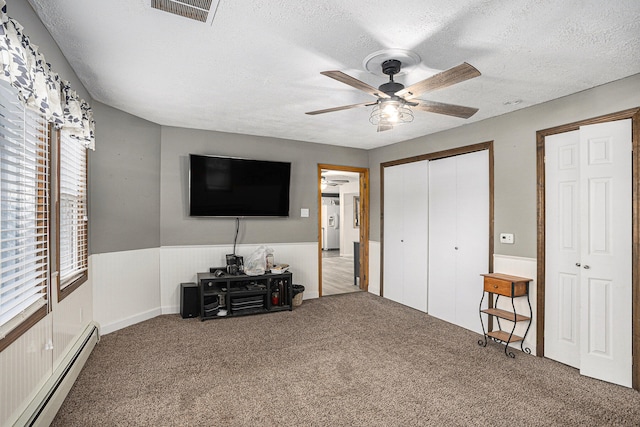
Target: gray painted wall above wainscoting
[(177, 228), (124, 182), (139, 185)]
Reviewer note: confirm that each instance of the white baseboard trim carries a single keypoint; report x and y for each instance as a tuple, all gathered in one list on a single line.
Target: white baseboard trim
[(171, 309), (131, 320), (310, 295), (47, 402)]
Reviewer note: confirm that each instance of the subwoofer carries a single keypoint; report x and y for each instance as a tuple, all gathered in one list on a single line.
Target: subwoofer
[(189, 300)]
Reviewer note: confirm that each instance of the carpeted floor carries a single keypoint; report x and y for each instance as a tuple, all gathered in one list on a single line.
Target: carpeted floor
[(354, 359)]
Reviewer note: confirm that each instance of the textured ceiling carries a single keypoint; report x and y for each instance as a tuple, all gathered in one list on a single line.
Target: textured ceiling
[(255, 68)]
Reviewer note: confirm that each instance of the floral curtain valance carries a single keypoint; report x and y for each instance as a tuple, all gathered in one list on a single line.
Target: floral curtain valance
[(25, 68)]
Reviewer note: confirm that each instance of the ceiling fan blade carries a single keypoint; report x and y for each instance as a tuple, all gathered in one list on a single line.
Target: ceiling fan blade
[(353, 82), (344, 107), (441, 80), (447, 109)]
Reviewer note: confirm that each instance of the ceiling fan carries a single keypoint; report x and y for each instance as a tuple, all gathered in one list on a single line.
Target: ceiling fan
[(392, 106), (332, 182)]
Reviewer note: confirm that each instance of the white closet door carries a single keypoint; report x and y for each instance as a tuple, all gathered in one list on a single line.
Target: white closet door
[(442, 239), (606, 229), (405, 234), (393, 272), (416, 234), (472, 236), (562, 248), (588, 250), (458, 237)]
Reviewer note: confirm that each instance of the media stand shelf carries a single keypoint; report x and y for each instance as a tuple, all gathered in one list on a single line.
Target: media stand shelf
[(241, 295), (511, 287)]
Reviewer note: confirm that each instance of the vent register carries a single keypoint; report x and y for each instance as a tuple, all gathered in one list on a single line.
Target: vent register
[(198, 10)]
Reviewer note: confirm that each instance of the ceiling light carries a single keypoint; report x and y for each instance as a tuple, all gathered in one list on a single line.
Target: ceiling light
[(390, 112)]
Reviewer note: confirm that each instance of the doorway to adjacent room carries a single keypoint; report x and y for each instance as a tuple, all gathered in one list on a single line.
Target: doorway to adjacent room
[(342, 229)]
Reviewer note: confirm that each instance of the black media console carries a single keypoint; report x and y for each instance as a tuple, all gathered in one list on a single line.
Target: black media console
[(238, 294)]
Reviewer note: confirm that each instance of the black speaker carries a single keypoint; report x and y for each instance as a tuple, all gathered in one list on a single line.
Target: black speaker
[(189, 300)]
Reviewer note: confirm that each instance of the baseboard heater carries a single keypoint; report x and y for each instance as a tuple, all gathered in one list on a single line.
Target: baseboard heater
[(45, 405)]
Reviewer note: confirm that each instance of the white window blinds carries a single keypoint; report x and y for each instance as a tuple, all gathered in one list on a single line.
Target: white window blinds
[(24, 210), (73, 209)]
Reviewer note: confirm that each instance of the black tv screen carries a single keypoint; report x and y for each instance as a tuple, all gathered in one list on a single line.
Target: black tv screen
[(233, 187)]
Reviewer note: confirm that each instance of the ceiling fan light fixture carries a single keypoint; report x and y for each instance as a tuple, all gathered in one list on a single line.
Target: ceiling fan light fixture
[(390, 112)]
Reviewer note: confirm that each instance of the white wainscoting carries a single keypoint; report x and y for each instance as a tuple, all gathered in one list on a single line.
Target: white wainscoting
[(28, 363), (523, 267), (179, 264), (374, 267), (133, 286), (126, 287), (70, 318), (24, 368)]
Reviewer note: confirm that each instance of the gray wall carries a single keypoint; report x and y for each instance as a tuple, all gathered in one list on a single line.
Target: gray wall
[(177, 228), (124, 185), (514, 137)]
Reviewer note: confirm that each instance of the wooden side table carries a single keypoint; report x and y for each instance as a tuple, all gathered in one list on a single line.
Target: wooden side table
[(512, 287)]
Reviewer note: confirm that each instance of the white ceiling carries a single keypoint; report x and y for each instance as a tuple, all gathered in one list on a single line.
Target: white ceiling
[(255, 69)]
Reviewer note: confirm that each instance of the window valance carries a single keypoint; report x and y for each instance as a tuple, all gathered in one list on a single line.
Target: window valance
[(26, 69)]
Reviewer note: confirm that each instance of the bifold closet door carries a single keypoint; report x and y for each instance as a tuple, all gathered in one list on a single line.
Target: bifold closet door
[(458, 237), (588, 247), (405, 234)]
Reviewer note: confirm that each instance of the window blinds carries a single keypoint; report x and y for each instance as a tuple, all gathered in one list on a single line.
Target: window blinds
[(73, 209), (24, 210)]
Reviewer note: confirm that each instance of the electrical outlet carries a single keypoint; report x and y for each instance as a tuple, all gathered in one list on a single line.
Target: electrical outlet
[(506, 238)]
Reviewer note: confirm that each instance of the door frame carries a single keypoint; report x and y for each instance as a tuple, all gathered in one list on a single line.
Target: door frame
[(364, 222), (634, 115), (435, 156)]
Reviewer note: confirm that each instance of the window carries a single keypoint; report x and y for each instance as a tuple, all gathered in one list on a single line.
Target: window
[(24, 216), (73, 254)]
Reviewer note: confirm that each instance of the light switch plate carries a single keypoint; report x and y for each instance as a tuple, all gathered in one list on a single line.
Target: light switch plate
[(506, 238), (304, 213)]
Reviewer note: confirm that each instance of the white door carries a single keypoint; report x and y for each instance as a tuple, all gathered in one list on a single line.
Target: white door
[(416, 237), (405, 234), (443, 239), (588, 316), (458, 237), (393, 270), (562, 247), (472, 236)]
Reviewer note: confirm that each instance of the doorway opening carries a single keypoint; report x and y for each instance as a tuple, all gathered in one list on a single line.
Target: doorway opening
[(343, 229)]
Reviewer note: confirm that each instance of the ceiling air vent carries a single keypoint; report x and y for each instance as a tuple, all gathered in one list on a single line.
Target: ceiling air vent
[(192, 9)]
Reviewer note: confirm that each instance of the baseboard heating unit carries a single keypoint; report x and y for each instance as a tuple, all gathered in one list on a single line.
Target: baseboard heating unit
[(45, 405)]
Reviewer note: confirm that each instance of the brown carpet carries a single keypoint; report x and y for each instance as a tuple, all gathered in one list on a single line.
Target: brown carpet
[(347, 360)]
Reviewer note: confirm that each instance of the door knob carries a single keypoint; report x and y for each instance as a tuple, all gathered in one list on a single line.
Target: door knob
[(578, 264), (586, 267)]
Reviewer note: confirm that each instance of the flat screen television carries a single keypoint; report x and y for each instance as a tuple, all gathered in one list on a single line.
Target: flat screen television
[(234, 187)]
